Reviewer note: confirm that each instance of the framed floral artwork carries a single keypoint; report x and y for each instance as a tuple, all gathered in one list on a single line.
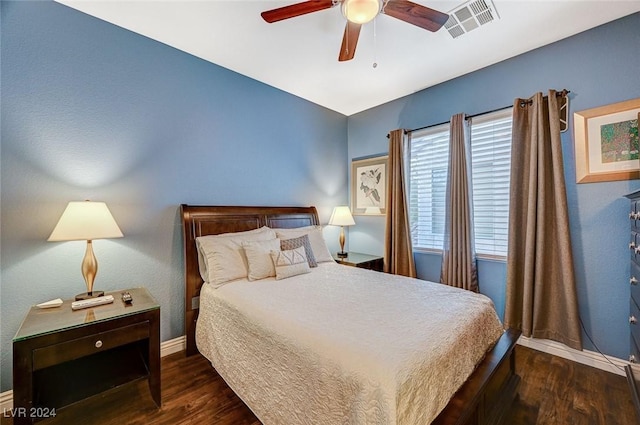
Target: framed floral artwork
[(369, 185), (606, 142)]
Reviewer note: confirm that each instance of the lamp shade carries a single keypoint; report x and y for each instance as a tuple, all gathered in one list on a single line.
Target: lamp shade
[(360, 11), (85, 221), (341, 216)]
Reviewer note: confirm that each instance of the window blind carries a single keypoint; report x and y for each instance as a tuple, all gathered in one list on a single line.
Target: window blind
[(490, 168), (428, 182)]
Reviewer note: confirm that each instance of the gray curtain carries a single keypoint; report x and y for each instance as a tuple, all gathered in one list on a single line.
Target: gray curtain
[(459, 254), (398, 258), (541, 291)]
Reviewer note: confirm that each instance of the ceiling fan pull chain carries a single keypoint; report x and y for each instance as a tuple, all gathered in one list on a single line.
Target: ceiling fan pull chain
[(375, 44)]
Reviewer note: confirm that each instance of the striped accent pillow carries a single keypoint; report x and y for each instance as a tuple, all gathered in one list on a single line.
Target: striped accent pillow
[(293, 243)]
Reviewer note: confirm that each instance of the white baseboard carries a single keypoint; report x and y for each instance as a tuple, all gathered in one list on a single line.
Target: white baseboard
[(167, 347), (589, 358), (586, 357), (172, 346)]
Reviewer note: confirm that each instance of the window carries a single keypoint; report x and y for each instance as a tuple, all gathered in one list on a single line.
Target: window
[(490, 168), (427, 185), (490, 172)]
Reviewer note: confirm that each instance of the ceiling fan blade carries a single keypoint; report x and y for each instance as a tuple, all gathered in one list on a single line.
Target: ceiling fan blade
[(349, 41), (416, 14), (294, 10)]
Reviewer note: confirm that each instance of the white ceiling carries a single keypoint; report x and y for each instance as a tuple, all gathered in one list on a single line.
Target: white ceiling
[(300, 55)]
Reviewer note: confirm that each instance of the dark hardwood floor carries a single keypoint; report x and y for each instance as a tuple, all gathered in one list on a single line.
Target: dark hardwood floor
[(558, 391), (554, 391)]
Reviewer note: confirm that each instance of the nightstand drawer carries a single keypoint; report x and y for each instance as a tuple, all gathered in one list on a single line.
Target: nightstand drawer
[(77, 348)]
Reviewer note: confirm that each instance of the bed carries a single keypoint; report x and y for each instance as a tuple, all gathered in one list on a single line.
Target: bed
[(296, 356)]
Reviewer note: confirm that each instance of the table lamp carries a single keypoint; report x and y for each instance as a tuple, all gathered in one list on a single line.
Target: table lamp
[(86, 221), (341, 216)]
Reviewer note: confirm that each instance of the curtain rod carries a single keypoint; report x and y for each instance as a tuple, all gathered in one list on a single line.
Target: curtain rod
[(564, 92)]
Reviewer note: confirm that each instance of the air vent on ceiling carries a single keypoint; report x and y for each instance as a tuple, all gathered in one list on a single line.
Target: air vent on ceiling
[(470, 16)]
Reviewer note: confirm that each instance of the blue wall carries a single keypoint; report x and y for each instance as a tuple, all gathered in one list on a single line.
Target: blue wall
[(92, 111), (599, 66)]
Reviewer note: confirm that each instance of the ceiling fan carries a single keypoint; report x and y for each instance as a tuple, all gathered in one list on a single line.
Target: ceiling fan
[(358, 12)]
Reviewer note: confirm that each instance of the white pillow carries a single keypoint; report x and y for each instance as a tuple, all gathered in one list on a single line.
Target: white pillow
[(290, 262), (221, 257), (318, 244), (259, 258)]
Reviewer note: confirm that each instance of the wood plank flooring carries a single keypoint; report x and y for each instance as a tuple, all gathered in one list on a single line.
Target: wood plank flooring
[(558, 391), (554, 391)]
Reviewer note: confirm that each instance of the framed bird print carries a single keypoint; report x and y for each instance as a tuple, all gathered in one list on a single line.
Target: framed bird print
[(369, 185)]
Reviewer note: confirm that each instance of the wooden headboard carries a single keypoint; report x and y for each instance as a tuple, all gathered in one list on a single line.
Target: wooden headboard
[(213, 220)]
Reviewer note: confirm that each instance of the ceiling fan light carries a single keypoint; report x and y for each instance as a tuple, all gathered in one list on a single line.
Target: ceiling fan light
[(361, 11)]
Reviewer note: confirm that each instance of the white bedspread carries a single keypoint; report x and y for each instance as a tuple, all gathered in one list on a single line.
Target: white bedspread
[(342, 345)]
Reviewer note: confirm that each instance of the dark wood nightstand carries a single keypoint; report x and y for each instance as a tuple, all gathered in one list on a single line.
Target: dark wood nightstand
[(61, 356), (364, 261)]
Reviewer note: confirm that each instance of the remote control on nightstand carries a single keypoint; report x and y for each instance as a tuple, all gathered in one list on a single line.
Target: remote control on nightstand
[(92, 302), (127, 298)]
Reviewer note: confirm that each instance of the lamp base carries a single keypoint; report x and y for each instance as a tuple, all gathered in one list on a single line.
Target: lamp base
[(89, 295), (343, 254)]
